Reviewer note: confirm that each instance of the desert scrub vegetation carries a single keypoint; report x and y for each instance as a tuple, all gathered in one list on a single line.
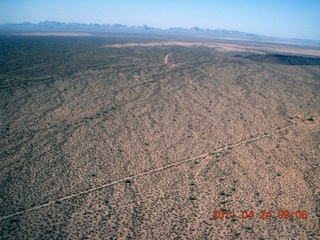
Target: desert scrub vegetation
[(95, 126)]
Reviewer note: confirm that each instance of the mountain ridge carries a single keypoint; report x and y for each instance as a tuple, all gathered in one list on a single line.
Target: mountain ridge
[(54, 26), (59, 26)]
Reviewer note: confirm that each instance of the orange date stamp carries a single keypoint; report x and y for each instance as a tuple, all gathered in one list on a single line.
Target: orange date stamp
[(263, 214)]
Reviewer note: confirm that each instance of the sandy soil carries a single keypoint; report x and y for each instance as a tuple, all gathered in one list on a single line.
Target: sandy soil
[(222, 47), (166, 58), (146, 142)]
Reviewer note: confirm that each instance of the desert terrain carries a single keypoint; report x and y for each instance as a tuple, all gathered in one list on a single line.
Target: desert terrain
[(116, 137)]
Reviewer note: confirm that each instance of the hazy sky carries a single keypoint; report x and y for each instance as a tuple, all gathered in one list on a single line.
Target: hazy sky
[(279, 18)]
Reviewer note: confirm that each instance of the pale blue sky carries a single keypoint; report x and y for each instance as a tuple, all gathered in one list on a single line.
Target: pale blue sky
[(279, 18)]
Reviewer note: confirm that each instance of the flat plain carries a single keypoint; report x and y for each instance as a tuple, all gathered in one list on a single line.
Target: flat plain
[(144, 137)]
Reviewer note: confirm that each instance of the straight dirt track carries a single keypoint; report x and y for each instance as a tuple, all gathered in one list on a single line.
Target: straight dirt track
[(145, 173)]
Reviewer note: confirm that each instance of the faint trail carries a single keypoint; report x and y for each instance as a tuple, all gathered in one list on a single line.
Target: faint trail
[(166, 58), (148, 172), (29, 82)]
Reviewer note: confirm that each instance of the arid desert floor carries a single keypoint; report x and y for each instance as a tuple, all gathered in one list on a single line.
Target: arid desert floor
[(115, 137)]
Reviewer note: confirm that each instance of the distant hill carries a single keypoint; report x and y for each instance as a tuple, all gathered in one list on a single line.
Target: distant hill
[(217, 32)]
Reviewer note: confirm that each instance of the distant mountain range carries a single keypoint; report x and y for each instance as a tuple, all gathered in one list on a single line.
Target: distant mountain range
[(52, 26), (80, 27)]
